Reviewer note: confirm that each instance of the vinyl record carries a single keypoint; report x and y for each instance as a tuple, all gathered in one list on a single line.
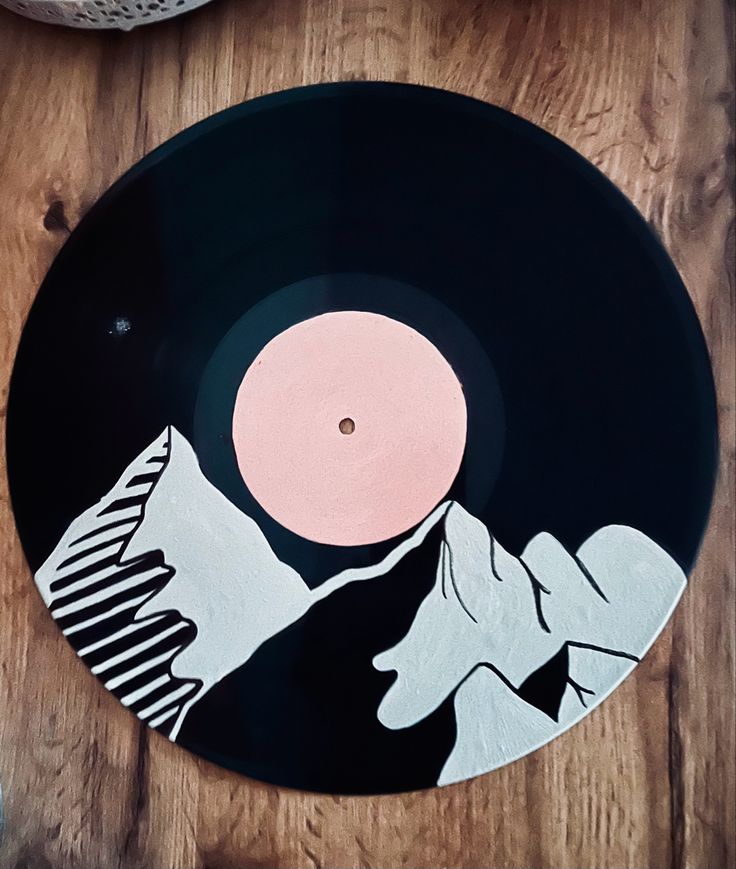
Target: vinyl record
[(361, 437)]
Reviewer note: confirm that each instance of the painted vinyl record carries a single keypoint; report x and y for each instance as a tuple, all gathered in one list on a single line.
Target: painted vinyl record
[(361, 438)]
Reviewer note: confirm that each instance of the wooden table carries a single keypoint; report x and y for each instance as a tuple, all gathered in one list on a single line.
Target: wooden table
[(643, 89)]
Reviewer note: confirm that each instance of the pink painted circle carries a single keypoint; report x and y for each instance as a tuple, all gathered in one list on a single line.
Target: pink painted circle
[(349, 428)]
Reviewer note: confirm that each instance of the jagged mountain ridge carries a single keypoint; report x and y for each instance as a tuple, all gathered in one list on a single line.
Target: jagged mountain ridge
[(95, 592), (168, 592)]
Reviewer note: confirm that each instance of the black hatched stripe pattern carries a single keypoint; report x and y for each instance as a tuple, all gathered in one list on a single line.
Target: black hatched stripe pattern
[(95, 594)]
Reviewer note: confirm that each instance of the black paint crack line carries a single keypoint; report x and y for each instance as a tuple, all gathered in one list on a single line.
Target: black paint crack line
[(589, 576), (487, 666), (453, 580), (159, 474), (121, 504), (615, 652), (142, 480), (538, 589), (579, 690), (494, 570), (85, 553), (443, 550), (104, 528)]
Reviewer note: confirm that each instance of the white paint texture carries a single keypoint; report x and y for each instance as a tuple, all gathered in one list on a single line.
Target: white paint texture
[(486, 608), (228, 580), (490, 620)]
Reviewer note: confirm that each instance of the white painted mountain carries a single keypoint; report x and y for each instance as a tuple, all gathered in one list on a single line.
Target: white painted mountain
[(95, 590), (217, 573), (164, 586), (495, 726), (102, 531), (492, 620), (228, 580)]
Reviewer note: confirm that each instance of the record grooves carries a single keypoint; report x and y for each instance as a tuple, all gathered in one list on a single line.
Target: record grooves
[(361, 437)]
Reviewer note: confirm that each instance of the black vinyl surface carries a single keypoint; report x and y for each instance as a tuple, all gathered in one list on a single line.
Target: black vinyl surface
[(587, 379)]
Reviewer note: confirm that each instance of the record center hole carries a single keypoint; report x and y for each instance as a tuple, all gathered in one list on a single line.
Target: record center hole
[(347, 426)]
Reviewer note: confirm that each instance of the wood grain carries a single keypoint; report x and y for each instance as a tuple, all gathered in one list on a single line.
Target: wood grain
[(644, 88)]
